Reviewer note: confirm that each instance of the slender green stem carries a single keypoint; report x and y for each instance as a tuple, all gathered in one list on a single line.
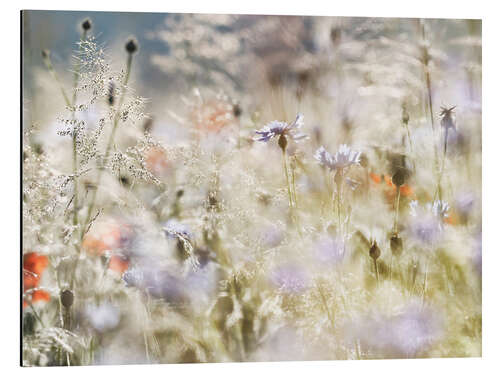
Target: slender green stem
[(285, 168), (396, 214)]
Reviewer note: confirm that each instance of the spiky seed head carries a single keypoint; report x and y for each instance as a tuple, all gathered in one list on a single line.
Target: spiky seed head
[(87, 24), (396, 245), (132, 45), (375, 251), (67, 298), (282, 142)]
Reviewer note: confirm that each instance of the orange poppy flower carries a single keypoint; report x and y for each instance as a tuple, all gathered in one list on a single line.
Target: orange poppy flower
[(375, 178), (118, 264), (34, 265), (452, 218)]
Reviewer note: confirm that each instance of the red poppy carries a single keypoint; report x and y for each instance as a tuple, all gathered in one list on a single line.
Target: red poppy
[(34, 265), (118, 264)]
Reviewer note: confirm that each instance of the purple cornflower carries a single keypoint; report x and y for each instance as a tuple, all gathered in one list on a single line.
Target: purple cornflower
[(427, 223), (343, 158), (290, 279), (280, 128), (329, 250)]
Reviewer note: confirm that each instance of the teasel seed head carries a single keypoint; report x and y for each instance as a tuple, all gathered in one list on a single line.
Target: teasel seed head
[(67, 298)]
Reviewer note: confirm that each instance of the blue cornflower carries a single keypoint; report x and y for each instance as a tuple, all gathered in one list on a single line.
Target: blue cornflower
[(343, 158), (280, 128)]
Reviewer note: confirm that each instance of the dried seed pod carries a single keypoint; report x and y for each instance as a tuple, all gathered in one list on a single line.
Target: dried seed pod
[(396, 245), (375, 251), (67, 298)]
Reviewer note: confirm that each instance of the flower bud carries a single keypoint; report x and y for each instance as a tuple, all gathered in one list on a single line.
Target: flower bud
[(67, 298), (87, 24), (282, 142), (375, 251), (131, 46), (399, 177)]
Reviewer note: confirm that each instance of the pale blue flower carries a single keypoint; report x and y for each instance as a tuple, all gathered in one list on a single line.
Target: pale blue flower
[(345, 157), (277, 128)]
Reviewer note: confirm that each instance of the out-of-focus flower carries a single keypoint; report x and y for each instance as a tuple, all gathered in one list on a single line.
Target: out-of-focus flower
[(402, 335), (446, 114), (156, 281), (344, 158), (108, 237), (156, 161), (329, 250), (213, 115), (34, 265), (118, 263), (427, 223), (279, 128), (290, 278), (272, 236), (103, 317)]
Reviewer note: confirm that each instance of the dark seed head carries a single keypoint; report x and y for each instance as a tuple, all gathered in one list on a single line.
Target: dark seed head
[(405, 117), (87, 24), (396, 245), (399, 177), (180, 193), (67, 298), (282, 142), (374, 251), (111, 93), (237, 111), (131, 46), (45, 53)]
